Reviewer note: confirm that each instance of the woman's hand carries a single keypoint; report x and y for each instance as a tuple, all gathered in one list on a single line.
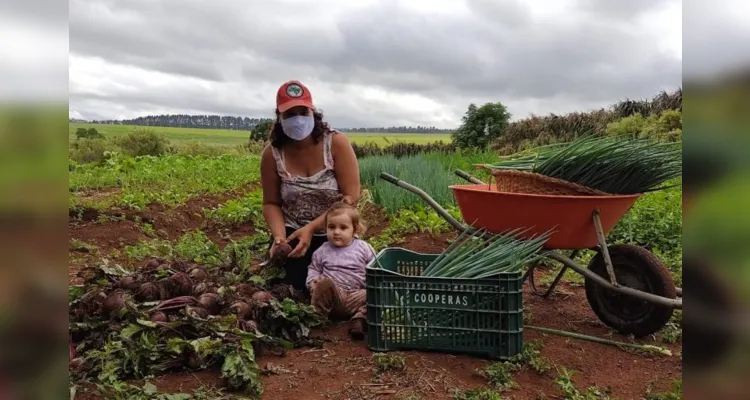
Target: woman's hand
[(304, 235)]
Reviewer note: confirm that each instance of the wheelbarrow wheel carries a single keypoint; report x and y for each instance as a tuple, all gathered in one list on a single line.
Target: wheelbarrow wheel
[(637, 268)]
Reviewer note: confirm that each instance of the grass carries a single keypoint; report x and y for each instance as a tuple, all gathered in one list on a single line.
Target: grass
[(236, 211), (235, 137), (564, 382), (389, 362), (195, 246), (168, 180)]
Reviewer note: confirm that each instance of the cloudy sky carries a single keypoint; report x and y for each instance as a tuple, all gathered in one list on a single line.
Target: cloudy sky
[(372, 62)]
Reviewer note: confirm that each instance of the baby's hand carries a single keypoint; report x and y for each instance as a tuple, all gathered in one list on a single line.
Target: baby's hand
[(348, 200)]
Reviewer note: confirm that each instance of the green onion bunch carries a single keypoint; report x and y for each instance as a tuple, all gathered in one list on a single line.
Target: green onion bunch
[(612, 164), (480, 255)]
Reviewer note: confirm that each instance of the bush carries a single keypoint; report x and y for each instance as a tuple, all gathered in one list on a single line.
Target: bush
[(143, 142), (261, 131), (481, 125), (255, 148), (89, 150), (666, 126), (91, 133), (564, 128)]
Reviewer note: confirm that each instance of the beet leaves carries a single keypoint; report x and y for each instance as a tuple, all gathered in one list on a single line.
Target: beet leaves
[(158, 319)]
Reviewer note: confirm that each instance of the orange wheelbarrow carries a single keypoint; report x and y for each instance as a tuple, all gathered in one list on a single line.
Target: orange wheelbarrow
[(628, 288)]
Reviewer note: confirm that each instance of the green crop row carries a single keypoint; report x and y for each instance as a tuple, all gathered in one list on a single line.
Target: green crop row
[(248, 208), (169, 180)]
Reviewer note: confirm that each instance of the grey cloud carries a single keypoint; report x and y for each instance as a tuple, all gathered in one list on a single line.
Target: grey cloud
[(620, 9), (596, 59), (53, 12), (498, 51), (177, 101), (506, 13)]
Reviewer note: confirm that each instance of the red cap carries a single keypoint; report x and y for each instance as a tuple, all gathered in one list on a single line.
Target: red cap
[(293, 94)]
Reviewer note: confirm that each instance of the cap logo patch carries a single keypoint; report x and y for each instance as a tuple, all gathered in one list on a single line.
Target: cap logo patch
[(294, 90)]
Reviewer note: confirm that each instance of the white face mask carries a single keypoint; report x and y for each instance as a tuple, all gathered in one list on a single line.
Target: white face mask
[(298, 127)]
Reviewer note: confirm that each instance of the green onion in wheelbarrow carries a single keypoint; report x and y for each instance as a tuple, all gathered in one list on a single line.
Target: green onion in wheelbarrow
[(613, 164), (480, 255)]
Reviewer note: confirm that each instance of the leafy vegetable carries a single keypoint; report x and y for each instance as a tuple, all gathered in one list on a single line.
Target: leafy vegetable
[(119, 334), (480, 255), (617, 165)]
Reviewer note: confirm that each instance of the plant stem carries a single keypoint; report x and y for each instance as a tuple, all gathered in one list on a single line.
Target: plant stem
[(646, 347)]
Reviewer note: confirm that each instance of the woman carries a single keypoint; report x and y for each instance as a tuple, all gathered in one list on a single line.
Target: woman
[(306, 168)]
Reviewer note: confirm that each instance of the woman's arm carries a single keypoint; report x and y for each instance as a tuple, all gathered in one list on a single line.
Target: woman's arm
[(346, 167), (271, 183)]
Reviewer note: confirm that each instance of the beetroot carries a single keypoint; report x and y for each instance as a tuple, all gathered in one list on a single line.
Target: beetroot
[(159, 317), (262, 296), (210, 302), (163, 287), (200, 288), (197, 312), (114, 303), (147, 292), (127, 283), (198, 274), (280, 254), (249, 326), (93, 299), (180, 284), (281, 292), (246, 290), (193, 360), (241, 308), (76, 364), (176, 302), (180, 266), (152, 264), (71, 349)]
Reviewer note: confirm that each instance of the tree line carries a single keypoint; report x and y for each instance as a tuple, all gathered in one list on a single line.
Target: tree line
[(240, 123), (189, 121), (398, 129)]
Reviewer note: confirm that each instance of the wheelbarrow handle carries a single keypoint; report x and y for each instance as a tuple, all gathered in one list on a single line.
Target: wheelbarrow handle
[(429, 200), (389, 178), (465, 175)]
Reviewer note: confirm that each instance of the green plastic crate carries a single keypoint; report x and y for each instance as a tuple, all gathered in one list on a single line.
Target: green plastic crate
[(480, 317)]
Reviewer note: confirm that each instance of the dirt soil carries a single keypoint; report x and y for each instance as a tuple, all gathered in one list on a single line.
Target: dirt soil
[(343, 369), (111, 231)]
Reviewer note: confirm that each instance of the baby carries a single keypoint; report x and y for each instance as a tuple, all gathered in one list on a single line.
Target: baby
[(336, 276)]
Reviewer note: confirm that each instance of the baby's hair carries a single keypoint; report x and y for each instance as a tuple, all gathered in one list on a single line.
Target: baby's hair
[(341, 207)]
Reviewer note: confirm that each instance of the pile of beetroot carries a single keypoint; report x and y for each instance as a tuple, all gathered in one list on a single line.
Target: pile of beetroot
[(182, 315)]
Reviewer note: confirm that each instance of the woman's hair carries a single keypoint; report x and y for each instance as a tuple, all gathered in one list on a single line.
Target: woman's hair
[(341, 207), (279, 139)]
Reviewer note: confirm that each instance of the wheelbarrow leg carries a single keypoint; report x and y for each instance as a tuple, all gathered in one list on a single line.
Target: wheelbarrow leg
[(555, 282), (603, 246)]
